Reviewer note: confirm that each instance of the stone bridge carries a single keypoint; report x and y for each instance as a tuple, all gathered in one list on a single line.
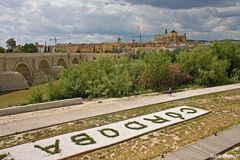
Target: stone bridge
[(36, 66)]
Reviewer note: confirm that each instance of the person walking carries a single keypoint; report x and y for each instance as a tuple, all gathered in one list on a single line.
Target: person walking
[(169, 91)]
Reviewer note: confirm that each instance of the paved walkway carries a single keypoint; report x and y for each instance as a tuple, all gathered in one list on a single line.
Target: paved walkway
[(206, 148), (95, 109)]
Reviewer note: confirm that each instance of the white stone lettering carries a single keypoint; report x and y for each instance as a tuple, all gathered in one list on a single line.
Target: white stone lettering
[(91, 139)]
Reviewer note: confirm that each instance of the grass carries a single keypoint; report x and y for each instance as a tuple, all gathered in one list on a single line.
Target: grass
[(225, 112), (15, 98), (22, 97)]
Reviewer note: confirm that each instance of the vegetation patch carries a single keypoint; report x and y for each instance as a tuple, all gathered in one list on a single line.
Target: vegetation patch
[(233, 154), (150, 71), (22, 97), (2, 156)]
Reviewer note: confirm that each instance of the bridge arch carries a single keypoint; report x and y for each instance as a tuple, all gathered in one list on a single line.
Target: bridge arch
[(25, 70), (61, 62), (75, 61), (45, 66)]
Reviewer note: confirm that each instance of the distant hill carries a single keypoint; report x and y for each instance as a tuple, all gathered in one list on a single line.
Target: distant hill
[(201, 41), (234, 40), (209, 41)]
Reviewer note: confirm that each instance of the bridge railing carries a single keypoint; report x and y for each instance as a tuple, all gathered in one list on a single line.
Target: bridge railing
[(13, 55)]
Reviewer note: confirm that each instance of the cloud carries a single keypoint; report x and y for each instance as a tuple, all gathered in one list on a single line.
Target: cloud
[(11, 3), (228, 12), (106, 20), (184, 4)]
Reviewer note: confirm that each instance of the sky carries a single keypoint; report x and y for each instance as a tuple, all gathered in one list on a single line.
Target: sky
[(78, 21)]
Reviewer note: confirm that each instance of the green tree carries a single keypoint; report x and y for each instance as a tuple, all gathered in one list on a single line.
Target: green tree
[(2, 50), (188, 62), (204, 67), (235, 76), (157, 70), (136, 71), (10, 44), (173, 54), (99, 78), (105, 64), (29, 48), (227, 50)]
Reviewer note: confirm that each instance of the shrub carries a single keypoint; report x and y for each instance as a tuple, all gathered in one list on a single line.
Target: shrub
[(204, 67), (57, 91), (227, 50), (235, 75), (178, 76), (37, 95), (136, 71), (157, 70), (100, 78), (105, 77)]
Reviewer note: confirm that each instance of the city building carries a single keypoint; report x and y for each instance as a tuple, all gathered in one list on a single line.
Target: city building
[(40, 48), (170, 38), (167, 41)]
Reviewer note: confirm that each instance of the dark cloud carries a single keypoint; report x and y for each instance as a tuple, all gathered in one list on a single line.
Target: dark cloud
[(185, 4), (228, 13), (105, 20)]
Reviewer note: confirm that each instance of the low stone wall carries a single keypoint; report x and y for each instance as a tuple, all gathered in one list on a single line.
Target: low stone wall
[(40, 106)]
